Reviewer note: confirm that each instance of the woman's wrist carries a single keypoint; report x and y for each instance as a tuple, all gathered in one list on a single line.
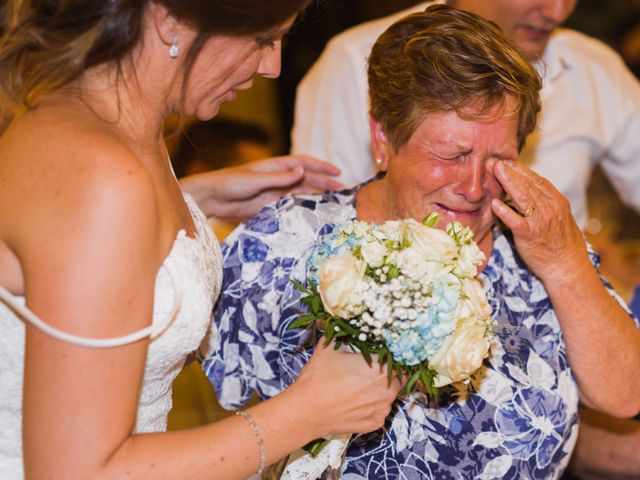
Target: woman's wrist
[(302, 404), (257, 433), (568, 273)]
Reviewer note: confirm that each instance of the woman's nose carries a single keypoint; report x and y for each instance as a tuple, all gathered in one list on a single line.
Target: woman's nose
[(471, 180), (270, 62)]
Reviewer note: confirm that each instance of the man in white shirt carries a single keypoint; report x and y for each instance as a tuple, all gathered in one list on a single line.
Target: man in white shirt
[(590, 115), (590, 101)]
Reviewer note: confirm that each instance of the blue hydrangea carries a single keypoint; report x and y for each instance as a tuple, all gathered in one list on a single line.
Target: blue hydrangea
[(328, 246), (417, 344)]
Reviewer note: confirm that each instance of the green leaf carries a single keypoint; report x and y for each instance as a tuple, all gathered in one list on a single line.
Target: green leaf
[(394, 272), (364, 350), (399, 371), (341, 334), (303, 321), (315, 305), (346, 326), (427, 380), (314, 447), (412, 382), (299, 286), (330, 332), (382, 355), (389, 366), (431, 220)]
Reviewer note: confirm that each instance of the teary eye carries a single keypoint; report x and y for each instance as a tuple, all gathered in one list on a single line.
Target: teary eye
[(453, 157)]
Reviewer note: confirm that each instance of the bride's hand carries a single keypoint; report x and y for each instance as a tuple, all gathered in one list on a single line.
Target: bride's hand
[(343, 393), (239, 192)]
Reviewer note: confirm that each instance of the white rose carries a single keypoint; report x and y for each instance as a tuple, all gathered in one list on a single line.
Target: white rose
[(412, 263), (392, 257), (475, 299), (433, 243), (361, 229), (468, 261), (461, 354), (393, 230), (373, 253), (437, 269), (340, 279)]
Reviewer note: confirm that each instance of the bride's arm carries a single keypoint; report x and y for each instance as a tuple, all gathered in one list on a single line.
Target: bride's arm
[(90, 249), (317, 404)]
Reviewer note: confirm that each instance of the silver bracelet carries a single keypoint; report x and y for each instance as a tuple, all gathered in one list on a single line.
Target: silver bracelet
[(259, 438)]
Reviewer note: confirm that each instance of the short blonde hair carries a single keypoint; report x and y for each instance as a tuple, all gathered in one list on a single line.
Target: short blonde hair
[(445, 59)]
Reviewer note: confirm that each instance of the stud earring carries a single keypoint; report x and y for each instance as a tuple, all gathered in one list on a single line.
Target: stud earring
[(378, 161), (173, 49)]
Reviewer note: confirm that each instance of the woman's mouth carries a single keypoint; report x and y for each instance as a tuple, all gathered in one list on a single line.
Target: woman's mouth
[(458, 212)]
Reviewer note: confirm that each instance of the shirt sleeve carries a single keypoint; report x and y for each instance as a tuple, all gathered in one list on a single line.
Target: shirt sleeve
[(250, 347), (621, 160)]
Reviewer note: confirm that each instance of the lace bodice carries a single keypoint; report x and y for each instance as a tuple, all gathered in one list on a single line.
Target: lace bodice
[(196, 267)]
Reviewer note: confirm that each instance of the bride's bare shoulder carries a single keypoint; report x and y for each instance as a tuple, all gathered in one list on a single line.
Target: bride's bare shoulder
[(62, 135), (65, 168), (70, 146)]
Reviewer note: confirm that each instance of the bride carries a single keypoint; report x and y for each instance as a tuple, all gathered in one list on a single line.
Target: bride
[(118, 269)]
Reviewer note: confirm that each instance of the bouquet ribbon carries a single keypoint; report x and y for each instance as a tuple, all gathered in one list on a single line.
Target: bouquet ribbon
[(304, 466)]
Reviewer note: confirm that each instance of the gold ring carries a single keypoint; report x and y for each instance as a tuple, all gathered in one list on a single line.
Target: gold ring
[(529, 211)]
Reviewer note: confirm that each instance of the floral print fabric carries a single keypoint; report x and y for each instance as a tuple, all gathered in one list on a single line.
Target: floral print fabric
[(518, 419)]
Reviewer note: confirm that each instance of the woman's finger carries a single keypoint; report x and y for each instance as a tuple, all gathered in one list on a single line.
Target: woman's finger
[(290, 162), (519, 187), (317, 182)]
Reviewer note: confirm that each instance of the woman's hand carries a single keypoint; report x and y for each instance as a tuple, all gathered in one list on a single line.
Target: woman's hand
[(602, 341), (545, 233), (344, 393), (239, 192)]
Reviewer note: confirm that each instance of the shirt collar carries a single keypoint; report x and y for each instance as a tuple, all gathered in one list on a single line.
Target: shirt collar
[(553, 62)]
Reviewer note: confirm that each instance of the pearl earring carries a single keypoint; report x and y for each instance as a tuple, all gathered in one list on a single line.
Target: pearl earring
[(378, 161), (173, 49)]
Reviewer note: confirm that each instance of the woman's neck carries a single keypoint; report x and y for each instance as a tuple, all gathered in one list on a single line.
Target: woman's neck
[(370, 201), (123, 101)]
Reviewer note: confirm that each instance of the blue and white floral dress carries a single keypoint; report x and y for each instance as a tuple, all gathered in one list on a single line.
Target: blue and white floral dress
[(517, 420)]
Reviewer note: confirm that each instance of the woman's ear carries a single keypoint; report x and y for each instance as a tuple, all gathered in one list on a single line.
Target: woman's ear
[(380, 147), (166, 25)]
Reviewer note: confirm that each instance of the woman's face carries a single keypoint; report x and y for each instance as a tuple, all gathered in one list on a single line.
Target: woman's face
[(443, 168), (227, 64)]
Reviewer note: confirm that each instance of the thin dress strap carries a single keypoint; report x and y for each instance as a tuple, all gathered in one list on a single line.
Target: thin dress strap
[(27, 315)]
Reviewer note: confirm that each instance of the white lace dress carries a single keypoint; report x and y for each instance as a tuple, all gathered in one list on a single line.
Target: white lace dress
[(196, 264)]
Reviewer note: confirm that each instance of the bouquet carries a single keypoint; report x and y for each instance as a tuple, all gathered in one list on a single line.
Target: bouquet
[(405, 291)]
